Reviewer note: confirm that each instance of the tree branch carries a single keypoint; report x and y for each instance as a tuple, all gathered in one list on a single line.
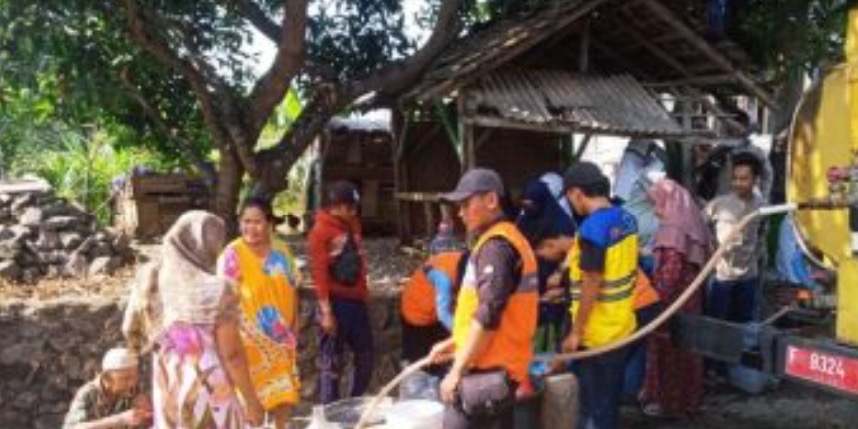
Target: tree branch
[(137, 22), (258, 18), (315, 116), (166, 130), (330, 99), (186, 34), (398, 75), (272, 86)]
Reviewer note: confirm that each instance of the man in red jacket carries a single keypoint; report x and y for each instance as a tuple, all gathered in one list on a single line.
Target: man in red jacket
[(338, 265)]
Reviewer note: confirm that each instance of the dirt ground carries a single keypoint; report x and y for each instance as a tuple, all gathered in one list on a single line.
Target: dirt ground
[(790, 406)]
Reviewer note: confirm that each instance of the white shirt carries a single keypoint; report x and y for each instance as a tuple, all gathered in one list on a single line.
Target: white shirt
[(724, 213)]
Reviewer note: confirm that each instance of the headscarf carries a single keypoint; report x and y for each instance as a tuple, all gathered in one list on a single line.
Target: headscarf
[(554, 182), (544, 212), (182, 285), (682, 226), (142, 318), (189, 289)]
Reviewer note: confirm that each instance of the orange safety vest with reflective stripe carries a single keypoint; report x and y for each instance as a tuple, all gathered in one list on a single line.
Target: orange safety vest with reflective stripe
[(510, 346), (418, 296), (612, 317)]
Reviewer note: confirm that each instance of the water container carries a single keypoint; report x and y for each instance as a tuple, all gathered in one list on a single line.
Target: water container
[(420, 385), (526, 414), (560, 402), (415, 414), (320, 421)]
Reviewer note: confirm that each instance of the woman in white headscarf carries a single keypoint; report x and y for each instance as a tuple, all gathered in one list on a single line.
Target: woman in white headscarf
[(201, 375)]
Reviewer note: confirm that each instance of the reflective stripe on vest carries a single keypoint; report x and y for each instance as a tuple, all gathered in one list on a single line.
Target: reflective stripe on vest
[(612, 316), (510, 345)]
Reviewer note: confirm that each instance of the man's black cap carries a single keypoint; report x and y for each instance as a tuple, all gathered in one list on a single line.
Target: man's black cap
[(475, 181), (581, 174)]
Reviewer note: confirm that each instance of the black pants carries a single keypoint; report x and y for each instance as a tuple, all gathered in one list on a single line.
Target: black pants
[(355, 331), (417, 342), (600, 379)]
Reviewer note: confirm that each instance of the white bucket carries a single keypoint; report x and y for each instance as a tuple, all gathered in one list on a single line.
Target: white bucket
[(415, 414)]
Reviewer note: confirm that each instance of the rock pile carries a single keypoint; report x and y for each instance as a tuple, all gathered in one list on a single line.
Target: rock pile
[(45, 235)]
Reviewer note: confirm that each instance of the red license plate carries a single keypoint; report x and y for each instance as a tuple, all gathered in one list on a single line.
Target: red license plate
[(832, 370)]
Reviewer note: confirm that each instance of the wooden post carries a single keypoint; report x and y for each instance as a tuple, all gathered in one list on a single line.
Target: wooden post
[(429, 216), (400, 178), (466, 134), (470, 147)]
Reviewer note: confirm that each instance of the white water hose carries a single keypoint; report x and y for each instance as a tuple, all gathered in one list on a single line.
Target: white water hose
[(640, 333)]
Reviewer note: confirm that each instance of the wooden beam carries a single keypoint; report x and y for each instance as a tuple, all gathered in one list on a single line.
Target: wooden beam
[(404, 227), (554, 128), (470, 147), (484, 137), (454, 134), (471, 72), (495, 122), (418, 197), (542, 49), (584, 144), (722, 61), (466, 134), (620, 59), (716, 79), (584, 49), (654, 49), (421, 142), (405, 121), (428, 218)]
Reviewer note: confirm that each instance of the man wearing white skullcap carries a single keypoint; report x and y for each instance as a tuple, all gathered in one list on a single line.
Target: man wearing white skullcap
[(110, 401)]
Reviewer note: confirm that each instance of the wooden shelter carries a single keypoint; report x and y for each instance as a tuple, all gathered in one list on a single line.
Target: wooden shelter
[(359, 150), (513, 95), (148, 204)]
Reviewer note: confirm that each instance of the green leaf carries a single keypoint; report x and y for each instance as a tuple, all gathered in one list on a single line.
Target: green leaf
[(291, 108)]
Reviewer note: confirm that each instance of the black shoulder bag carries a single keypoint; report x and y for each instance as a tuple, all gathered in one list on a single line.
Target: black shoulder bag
[(346, 267)]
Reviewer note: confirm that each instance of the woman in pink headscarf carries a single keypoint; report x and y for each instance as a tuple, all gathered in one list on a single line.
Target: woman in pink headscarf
[(674, 379)]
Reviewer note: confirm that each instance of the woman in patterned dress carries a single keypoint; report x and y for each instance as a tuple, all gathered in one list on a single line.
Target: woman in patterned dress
[(200, 371), (674, 377), (264, 271)]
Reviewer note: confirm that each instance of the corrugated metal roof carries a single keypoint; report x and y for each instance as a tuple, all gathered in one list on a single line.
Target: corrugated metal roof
[(562, 101)]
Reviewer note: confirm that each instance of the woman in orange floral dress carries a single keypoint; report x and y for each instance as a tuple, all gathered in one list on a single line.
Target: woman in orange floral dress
[(263, 269)]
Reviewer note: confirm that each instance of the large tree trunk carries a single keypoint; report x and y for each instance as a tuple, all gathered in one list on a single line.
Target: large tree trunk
[(230, 174)]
